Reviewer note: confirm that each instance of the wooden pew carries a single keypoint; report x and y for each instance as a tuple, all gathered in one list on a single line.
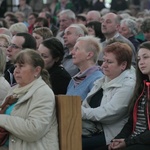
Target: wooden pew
[(69, 122)]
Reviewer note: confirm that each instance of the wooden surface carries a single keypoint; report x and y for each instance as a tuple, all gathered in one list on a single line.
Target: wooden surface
[(69, 122)]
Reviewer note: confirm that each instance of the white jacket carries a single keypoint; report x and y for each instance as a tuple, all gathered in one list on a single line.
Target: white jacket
[(112, 113), (33, 124)]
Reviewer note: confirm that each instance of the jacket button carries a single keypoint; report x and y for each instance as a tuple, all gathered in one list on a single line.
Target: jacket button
[(13, 141)]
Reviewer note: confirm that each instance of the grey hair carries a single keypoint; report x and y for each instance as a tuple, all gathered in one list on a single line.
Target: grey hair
[(131, 24), (79, 30), (18, 28), (92, 44), (69, 13)]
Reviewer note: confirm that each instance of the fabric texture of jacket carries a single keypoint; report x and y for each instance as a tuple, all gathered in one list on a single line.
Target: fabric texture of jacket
[(32, 123), (129, 127), (83, 88), (112, 113)]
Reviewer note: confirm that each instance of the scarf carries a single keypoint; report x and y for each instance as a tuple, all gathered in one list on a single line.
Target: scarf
[(20, 91)]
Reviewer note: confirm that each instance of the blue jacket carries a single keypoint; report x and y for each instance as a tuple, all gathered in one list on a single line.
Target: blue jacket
[(85, 86)]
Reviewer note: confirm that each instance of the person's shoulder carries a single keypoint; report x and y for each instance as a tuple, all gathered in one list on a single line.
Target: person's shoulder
[(60, 71), (129, 77), (44, 90)]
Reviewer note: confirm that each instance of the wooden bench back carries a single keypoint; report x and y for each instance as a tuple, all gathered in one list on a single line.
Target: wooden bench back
[(69, 122)]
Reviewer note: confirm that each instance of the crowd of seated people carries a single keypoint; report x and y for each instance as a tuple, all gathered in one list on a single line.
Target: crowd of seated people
[(99, 54)]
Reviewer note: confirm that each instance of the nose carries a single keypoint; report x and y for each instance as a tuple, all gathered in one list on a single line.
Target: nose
[(64, 36), (141, 61), (104, 64), (9, 49)]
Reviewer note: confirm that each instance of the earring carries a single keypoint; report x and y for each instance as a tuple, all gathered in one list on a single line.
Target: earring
[(35, 76)]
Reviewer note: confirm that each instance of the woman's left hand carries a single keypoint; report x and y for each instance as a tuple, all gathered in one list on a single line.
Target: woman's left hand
[(120, 144)]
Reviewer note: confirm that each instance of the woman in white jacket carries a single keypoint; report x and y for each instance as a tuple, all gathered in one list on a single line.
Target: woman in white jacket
[(30, 118), (105, 109)]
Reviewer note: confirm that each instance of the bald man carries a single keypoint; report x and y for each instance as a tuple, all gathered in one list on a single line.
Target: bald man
[(93, 15)]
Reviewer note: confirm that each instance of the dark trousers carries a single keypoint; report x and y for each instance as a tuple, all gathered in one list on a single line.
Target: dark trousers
[(94, 142), (138, 147)]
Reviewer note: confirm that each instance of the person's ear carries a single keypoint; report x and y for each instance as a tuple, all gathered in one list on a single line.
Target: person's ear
[(37, 71), (90, 54), (124, 65)]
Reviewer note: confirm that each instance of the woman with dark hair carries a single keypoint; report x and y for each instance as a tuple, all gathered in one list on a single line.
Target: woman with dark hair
[(52, 52), (94, 28), (135, 135)]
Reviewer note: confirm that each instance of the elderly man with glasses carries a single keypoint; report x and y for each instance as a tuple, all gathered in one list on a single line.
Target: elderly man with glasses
[(18, 42)]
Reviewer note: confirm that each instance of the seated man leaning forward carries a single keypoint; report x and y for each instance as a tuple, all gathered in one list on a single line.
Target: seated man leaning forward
[(105, 109), (85, 55)]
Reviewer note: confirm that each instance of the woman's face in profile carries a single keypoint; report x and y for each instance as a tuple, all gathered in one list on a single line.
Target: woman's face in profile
[(38, 39), (144, 61), (91, 31), (110, 66), (25, 74), (47, 57)]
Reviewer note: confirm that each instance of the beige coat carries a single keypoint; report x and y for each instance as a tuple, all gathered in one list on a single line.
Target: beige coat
[(32, 124)]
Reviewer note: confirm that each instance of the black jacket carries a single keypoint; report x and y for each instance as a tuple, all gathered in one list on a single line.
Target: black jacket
[(59, 79)]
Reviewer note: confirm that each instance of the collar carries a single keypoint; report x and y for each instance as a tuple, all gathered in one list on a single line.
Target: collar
[(115, 36)]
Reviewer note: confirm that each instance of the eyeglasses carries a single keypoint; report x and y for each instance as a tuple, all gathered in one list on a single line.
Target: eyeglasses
[(14, 46)]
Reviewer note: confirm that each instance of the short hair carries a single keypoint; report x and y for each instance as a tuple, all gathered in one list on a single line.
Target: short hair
[(43, 20), (69, 14), (29, 42), (122, 52), (12, 16), (81, 17), (55, 47), (96, 14), (35, 14), (20, 14), (131, 24), (34, 59), (44, 32), (91, 44), (145, 27), (114, 16), (83, 28), (79, 30), (2, 61), (18, 28), (6, 38), (5, 31)]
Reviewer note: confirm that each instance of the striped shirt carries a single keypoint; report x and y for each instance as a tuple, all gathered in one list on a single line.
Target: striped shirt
[(141, 124)]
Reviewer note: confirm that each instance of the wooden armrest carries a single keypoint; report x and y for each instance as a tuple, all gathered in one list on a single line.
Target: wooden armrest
[(69, 122)]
